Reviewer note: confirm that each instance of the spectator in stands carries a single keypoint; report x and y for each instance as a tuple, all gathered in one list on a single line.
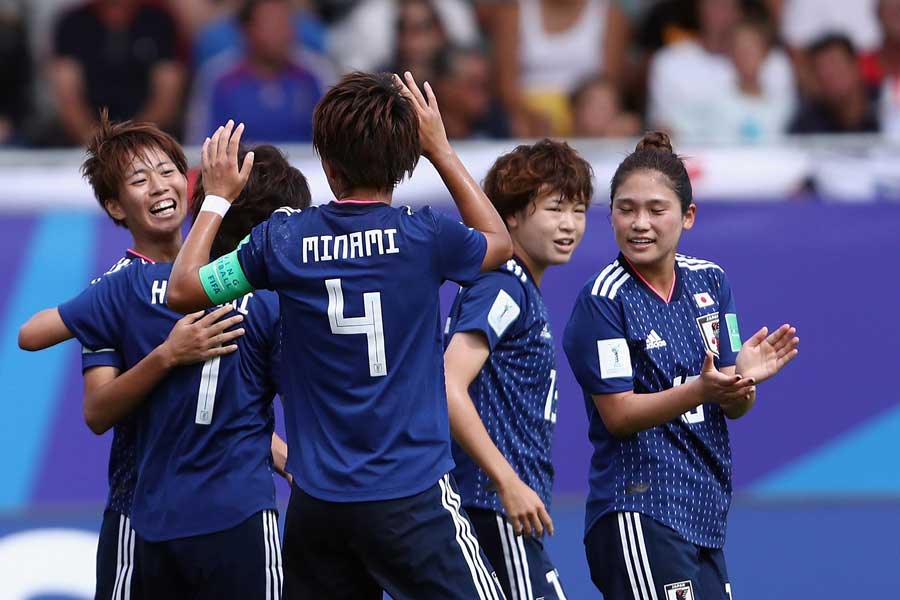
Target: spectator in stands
[(462, 82), (752, 113), (418, 40), (545, 48), (119, 54), (15, 78), (367, 37), (844, 102), (223, 33), (272, 87), (687, 78), (884, 61), (597, 111), (805, 21)]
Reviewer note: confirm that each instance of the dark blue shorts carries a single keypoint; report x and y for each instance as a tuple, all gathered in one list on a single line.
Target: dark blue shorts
[(118, 577), (523, 565), (241, 563), (634, 557), (413, 548)]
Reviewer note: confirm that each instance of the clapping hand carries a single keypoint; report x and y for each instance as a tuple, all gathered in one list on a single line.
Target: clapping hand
[(764, 354)]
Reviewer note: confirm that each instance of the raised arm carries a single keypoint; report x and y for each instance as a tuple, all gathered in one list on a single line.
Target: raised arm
[(474, 207), (42, 330), (195, 283), (464, 358), (627, 413), (109, 397)]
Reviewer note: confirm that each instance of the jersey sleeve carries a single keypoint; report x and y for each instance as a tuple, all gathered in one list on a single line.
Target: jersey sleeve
[(257, 253), (597, 347), (729, 334), (460, 250), (102, 357), (95, 315), (494, 305)]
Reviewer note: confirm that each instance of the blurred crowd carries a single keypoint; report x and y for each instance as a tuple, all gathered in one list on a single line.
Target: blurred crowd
[(729, 71)]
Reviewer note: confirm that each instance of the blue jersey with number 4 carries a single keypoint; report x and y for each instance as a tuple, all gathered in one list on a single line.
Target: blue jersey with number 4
[(363, 373), (623, 336), (204, 432), (515, 391)]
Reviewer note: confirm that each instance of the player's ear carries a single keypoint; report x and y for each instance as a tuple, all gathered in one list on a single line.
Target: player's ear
[(114, 209), (687, 219)]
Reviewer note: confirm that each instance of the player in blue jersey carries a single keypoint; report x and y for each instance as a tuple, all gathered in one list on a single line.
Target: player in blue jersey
[(138, 175), (204, 500), (373, 505), (653, 340), (501, 366)]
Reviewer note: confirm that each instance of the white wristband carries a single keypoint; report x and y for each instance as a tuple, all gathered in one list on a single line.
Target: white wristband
[(215, 204)]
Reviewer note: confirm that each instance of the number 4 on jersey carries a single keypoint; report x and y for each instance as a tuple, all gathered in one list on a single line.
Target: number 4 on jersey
[(692, 416), (369, 324)]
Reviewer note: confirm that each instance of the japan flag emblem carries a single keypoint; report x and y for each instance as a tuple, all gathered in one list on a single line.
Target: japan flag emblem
[(703, 299)]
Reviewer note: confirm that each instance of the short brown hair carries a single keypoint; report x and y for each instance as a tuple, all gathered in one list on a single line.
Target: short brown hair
[(367, 131), (517, 178), (273, 183), (112, 149)]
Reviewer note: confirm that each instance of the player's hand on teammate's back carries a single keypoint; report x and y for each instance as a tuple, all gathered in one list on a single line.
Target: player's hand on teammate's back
[(196, 338), (222, 175), (431, 126), (763, 355), (524, 509)]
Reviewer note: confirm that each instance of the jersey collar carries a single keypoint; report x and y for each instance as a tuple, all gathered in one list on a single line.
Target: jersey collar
[(674, 293), (134, 254)]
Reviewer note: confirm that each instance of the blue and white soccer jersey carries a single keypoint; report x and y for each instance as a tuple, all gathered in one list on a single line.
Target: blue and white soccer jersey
[(364, 399), (204, 432), (623, 336), (117, 548), (515, 395)]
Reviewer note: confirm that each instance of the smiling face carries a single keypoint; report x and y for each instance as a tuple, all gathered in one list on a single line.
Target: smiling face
[(152, 196), (549, 229), (647, 219)]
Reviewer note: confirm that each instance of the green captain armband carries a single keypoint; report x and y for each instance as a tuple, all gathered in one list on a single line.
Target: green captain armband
[(224, 279)]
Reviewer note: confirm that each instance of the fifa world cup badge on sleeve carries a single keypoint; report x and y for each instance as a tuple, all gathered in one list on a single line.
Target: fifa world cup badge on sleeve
[(734, 335), (683, 590), (615, 360)]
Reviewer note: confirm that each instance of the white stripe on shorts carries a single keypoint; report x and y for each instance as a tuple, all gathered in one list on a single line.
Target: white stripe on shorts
[(626, 555), (481, 578), (514, 581), (648, 573)]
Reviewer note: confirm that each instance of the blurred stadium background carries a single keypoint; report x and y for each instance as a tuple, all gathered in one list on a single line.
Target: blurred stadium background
[(786, 109)]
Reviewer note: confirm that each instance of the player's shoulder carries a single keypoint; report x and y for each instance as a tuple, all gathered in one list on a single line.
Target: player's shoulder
[(700, 269), (509, 276), (608, 284)]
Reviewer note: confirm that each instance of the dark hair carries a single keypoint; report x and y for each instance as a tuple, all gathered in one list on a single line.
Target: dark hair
[(113, 147), (830, 40), (273, 183), (367, 131), (517, 178), (654, 153), (247, 8)]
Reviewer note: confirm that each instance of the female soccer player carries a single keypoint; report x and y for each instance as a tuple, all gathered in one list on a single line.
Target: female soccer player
[(500, 365), (138, 175), (659, 377), (204, 500), (373, 505)]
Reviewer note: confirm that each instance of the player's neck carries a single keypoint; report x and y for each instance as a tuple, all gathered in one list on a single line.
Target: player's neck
[(162, 251), (366, 195), (659, 276), (534, 268)]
